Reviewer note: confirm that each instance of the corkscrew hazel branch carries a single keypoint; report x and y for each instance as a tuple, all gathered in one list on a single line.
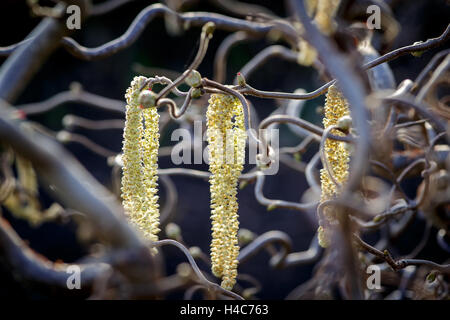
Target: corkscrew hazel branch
[(438, 73), (76, 94), (283, 95), (210, 285), (403, 263), (74, 186), (162, 80), (263, 56), (66, 137), (106, 7), (285, 257), (310, 173), (424, 73), (316, 131), (189, 18), (220, 59), (174, 112), (416, 47), (272, 204), (37, 268), (324, 157), (205, 37), (71, 121)]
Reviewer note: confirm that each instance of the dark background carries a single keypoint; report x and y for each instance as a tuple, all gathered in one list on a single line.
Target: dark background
[(110, 77)]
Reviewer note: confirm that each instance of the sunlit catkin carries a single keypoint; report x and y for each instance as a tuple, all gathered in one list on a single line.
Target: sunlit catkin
[(324, 12), (226, 138), (337, 154), (140, 155)]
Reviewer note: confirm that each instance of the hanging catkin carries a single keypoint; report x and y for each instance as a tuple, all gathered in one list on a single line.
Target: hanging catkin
[(226, 138), (338, 157), (140, 155)]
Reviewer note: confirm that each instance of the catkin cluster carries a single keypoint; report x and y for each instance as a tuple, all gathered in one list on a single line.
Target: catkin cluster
[(338, 157), (323, 12), (226, 139), (140, 155)]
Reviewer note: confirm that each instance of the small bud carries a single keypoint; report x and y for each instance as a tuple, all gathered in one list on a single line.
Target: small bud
[(320, 110), (298, 156), (194, 79), (377, 218), (19, 114), (245, 236), (209, 28), (196, 93), (417, 53), (344, 123), (75, 87), (241, 79), (111, 161), (147, 99), (118, 160), (63, 136), (262, 162), (442, 180), (248, 293), (243, 184), (173, 231), (195, 252), (349, 147), (68, 120), (184, 270), (431, 276), (271, 207)]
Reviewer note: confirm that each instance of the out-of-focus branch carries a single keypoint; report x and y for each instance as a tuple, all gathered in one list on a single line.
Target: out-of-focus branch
[(74, 186), (106, 7), (403, 263), (71, 121), (210, 285), (266, 54), (74, 95), (316, 131), (66, 137), (352, 89), (220, 59), (29, 266), (285, 257), (272, 204), (416, 47), (19, 68), (189, 18), (285, 95), (242, 9), (430, 66)]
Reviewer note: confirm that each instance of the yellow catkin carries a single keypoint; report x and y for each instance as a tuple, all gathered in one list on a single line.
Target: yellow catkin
[(324, 12), (140, 155), (226, 139), (338, 157), (27, 175)]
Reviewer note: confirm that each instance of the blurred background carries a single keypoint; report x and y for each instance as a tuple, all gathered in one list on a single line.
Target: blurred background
[(158, 49)]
